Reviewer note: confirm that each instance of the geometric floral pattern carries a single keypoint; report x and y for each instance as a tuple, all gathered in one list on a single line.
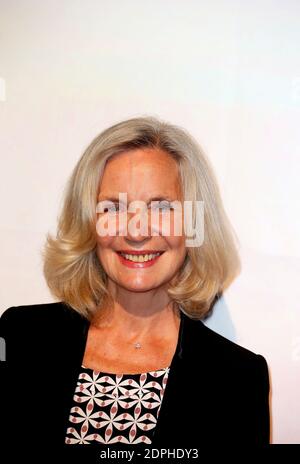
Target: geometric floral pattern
[(115, 408)]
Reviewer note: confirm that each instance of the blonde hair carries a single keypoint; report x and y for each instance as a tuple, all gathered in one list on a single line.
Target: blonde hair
[(71, 267)]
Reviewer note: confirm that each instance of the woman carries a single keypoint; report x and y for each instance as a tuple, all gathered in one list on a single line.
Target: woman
[(123, 357)]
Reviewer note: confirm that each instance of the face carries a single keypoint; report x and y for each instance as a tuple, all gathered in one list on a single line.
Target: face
[(145, 175)]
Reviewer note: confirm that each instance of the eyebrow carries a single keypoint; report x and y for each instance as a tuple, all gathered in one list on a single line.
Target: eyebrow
[(115, 200)]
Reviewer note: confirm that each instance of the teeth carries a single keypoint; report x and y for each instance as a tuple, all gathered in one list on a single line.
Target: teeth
[(140, 258)]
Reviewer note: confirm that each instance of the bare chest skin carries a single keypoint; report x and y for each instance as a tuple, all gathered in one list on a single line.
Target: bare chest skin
[(112, 353)]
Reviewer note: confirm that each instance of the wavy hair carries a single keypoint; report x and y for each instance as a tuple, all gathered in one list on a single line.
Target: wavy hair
[(71, 267)]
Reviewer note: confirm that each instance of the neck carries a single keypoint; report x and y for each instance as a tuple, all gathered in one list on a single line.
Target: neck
[(139, 318)]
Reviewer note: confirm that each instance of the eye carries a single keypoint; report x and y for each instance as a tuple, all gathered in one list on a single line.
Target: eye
[(163, 205), (109, 207)]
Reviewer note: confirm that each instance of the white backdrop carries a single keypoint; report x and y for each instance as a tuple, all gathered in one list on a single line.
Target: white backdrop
[(229, 72)]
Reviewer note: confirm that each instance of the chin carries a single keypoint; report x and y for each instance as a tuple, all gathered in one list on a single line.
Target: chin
[(140, 288)]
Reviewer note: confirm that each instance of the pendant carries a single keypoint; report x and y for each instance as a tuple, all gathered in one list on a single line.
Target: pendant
[(137, 345)]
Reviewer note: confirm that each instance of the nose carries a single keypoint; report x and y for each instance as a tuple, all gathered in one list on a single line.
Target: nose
[(138, 227)]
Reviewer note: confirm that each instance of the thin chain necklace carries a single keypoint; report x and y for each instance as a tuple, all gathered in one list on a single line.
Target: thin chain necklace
[(137, 345)]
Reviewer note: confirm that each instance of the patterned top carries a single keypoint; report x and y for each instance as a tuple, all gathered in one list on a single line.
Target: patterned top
[(116, 408)]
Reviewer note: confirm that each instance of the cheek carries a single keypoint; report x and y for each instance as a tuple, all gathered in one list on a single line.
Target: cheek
[(172, 224), (104, 242), (176, 244), (103, 250)]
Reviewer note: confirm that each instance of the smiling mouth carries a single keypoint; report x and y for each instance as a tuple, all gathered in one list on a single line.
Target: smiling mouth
[(140, 258)]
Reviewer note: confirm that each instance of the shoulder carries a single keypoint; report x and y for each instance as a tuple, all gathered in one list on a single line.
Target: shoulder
[(57, 314), (42, 333), (234, 381), (239, 372), (218, 350)]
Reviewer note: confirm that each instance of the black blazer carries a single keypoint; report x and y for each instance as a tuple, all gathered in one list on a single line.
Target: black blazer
[(217, 391)]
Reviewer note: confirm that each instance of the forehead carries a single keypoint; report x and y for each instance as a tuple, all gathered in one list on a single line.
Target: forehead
[(139, 171)]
